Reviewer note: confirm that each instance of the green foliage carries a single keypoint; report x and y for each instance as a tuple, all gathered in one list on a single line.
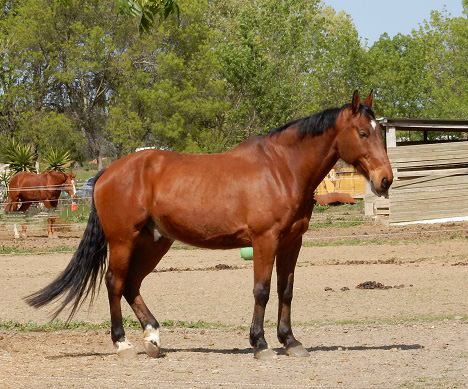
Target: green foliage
[(284, 60), (125, 129), (5, 177), (50, 130), (20, 156), (422, 74), (80, 215), (148, 10), (57, 159), (78, 74)]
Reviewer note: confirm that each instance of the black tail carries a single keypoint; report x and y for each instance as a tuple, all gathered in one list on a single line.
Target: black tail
[(84, 272)]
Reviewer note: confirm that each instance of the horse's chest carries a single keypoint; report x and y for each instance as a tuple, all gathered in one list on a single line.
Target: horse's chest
[(295, 230), (298, 225)]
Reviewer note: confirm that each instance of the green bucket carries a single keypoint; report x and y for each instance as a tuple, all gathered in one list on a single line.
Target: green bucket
[(246, 253)]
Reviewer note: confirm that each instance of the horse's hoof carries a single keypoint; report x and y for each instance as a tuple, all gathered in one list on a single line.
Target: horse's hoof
[(152, 349), (266, 354), (297, 351), (152, 342), (125, 350)]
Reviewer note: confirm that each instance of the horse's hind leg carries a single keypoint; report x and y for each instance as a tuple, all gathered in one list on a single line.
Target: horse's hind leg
[(119, 260), (145, 257), (285, 264)]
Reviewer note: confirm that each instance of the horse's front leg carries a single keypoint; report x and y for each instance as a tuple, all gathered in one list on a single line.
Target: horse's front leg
[(264, 256), (285, 264)]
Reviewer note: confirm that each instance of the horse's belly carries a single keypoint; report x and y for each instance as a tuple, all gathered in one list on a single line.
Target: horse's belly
[(201, 234)]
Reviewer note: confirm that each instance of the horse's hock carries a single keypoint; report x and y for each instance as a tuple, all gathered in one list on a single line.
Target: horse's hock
[(431, 177)]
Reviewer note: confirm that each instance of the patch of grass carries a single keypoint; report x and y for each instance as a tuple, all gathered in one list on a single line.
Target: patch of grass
[(433, 382), (351, 242), (321, 208), (83, 174), (337, 224), (16, 250), (183, 246), (193, 324), (55, 325), (80, 215), (385, 321), (129, 323)]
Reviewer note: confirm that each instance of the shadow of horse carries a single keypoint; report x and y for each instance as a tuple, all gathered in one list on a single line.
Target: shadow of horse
[(248, 350)]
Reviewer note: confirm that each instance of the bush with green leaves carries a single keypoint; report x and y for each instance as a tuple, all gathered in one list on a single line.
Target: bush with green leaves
[(5, 177), (57, 159), (20, 156)]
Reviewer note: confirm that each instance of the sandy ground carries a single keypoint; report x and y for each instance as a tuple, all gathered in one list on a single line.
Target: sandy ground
[(414, 336)]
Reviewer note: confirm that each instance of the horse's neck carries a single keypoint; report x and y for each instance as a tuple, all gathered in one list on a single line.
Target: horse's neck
[(310, 158)]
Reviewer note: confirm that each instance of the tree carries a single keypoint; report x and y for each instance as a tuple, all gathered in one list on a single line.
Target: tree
[(172, 85), (64, 58), (396, 72), (445, 42), (283, 60), (422, 74), (148, 10)]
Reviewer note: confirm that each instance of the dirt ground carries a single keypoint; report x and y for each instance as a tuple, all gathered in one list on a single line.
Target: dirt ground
[(413, 335)]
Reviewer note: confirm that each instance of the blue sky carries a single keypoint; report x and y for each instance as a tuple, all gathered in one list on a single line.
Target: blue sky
[(373, 18)]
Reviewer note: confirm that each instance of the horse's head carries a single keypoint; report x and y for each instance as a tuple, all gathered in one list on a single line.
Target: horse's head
[(69, 185), (360, 143)]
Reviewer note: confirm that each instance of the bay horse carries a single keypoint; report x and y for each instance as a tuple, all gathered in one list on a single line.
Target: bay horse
[(258, 194), (27, 188)]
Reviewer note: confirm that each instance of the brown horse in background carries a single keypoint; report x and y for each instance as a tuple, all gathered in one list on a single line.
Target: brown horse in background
[(27, 188), (259, 194)]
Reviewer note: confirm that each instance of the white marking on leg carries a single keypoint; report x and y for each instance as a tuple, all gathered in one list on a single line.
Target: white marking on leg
[(125, 349), (15, 229), (152, 342), (152, 335), (373, 124)]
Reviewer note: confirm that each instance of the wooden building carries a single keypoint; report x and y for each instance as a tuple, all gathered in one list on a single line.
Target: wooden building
[(431, 176)]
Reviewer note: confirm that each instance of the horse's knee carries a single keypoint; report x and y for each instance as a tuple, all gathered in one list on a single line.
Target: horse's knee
[(261, 294)]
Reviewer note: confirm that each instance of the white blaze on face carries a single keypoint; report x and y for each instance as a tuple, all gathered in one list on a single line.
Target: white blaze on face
[(373, 124), (74, 187)]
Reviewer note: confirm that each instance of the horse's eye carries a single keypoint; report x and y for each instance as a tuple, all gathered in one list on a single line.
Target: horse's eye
[(362, 135)]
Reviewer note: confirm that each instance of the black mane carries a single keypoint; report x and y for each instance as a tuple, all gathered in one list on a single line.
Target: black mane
[(317, 124)]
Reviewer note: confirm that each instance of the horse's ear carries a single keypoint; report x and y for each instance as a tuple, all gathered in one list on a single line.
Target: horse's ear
[(369, 99), (356, 102)]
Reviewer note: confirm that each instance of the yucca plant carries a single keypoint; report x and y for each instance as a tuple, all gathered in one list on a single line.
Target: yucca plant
[(57, 159), (21, 157)]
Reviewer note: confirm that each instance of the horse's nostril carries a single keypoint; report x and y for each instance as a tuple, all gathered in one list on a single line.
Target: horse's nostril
[(385, 183)]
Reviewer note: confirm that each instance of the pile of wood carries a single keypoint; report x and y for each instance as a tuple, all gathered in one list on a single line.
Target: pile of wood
[(431, 182)]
